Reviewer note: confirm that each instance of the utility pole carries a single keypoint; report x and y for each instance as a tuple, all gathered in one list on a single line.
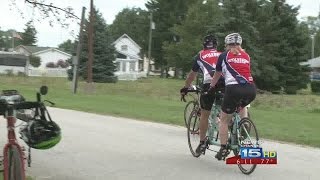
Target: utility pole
[(150, 42), (312, 46), (90, 43), (76, 59)]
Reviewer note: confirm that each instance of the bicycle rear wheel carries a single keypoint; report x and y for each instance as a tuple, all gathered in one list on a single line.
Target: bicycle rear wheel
[(15, 169), (191, 105), (193, 132), (248, 136)]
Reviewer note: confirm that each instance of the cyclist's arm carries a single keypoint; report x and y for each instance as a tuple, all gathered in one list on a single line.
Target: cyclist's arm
[(218, 72), (191, 76), (193, 73)]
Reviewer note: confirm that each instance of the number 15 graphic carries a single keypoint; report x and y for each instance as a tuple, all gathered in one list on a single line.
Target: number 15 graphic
[(247, 153)]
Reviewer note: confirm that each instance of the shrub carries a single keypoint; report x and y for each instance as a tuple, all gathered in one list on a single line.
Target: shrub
[(51, 65), (291, 90), (62, 64), (35, 61), (21, 74), (9, 72), (315, 86)]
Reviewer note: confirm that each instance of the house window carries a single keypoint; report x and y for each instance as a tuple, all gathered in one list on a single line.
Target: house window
[(132, 66), (118, 66), (124, 67), (124, 48), (121, 56)]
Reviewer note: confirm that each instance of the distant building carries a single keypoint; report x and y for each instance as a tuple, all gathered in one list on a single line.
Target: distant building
[(46, 54), (314, 64), (13, 62), (130, 65)]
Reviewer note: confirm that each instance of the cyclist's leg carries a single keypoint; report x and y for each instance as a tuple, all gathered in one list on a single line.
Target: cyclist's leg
[(228, 107), (206, 102), (248, 95), (244, 112)]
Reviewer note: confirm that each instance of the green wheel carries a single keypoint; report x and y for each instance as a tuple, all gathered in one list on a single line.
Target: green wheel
[(248, 136), (193, 132), (191, 105)]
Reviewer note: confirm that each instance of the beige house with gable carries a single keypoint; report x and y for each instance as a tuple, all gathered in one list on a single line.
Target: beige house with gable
[(130, 65)]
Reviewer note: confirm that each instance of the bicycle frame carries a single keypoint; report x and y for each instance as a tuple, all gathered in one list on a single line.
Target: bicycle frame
[(212, 128), (12, 141)]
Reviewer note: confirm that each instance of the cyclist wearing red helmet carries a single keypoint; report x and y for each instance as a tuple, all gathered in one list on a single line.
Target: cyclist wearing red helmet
[(205, 61), (234, 64)]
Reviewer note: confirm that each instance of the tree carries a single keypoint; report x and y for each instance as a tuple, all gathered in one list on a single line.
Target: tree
[(29, 35), (200, 19), (104, 53), (135, 23), (68, 46), (165, 15), (313, 24), (284, 41), (35, 61)]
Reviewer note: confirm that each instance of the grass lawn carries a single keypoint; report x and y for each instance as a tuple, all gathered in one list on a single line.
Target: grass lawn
[(1, 177), (292, 118)]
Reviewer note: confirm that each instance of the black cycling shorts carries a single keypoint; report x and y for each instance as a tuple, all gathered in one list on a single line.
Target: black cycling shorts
[(207, 100), (237, 94)]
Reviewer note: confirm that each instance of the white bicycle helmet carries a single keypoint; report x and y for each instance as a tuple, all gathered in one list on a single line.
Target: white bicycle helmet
[(233, 38)]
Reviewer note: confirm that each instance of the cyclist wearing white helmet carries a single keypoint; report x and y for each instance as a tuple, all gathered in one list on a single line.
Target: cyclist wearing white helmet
[(205, 61), (234, 64)]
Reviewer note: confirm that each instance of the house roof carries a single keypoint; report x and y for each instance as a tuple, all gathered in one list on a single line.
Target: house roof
[(13, 59), (315, 62), (37, 50), (55, 49), (126, 36), (34, 49)]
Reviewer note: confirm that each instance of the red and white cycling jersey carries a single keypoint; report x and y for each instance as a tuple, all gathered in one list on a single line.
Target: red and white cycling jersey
[(235, 68), (206, 60)]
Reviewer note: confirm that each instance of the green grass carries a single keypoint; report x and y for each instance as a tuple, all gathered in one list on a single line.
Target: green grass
[(292, 118), (1, 177)]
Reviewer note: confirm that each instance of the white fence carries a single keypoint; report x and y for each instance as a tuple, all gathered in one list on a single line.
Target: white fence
[(49, 72), (130, 75)]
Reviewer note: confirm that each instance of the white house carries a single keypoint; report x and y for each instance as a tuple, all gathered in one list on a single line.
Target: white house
[(128, 61), (314, 64), (46, 55), (13, 62)]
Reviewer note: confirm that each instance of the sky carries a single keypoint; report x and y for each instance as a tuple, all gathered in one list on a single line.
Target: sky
[(53, 36)]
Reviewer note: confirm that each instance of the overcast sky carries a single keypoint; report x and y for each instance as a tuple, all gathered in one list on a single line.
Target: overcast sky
[(52, 36)]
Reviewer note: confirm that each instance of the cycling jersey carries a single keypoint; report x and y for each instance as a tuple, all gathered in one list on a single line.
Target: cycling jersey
[(235, 68), (206, 61)]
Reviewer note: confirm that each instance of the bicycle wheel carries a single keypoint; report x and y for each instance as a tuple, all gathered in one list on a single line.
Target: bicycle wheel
[(248, 136), (193, 132), (15, 164), (191, 105)]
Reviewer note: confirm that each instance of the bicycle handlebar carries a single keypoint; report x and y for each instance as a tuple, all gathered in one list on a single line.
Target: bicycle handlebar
[(197, 90)]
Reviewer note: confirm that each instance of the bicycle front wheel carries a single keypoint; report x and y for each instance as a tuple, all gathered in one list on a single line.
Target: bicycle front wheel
[(191, 105), (248, 136), (15, 170), (193, 132)]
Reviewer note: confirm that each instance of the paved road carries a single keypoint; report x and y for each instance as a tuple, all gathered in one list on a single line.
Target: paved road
[(96, 147)]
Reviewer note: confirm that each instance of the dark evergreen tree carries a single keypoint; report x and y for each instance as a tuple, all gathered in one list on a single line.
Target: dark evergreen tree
[(104, 53), (29, 35)]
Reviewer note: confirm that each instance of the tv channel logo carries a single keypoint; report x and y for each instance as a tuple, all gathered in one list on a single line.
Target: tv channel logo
[(250, 153)]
